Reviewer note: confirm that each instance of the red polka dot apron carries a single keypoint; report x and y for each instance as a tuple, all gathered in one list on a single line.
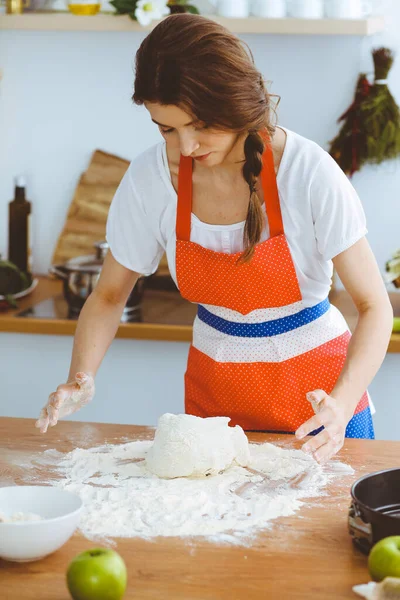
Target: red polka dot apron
[(257, 349)]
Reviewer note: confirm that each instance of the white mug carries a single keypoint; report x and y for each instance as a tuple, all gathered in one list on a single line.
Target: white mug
[(233, 8), (269, 9), (306, 9), (347, 9)]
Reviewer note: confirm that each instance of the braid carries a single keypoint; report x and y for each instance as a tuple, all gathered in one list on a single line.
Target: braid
[(253, 150)]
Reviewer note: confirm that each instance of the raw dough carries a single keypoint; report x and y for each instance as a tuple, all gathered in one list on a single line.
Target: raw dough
[(188, 446)]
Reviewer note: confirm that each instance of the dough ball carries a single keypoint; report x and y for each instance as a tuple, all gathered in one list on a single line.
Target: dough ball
[(189, 446)]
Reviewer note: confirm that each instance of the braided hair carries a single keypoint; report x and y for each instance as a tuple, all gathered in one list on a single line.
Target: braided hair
[(253, 150)]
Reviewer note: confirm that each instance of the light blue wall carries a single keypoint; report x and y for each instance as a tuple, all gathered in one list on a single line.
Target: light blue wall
[(65, 94), (137, 382)]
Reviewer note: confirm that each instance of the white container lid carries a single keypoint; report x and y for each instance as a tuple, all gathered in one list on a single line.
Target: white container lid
[(20, 181)]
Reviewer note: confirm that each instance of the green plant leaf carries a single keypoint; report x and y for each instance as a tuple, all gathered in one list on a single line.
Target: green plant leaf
[(189, 8), (124, 6), (11, 301)]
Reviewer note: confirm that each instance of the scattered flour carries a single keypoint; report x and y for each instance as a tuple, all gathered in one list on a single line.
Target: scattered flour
[(122, 498)]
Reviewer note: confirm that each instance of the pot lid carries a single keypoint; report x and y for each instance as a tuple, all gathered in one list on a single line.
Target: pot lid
[(86, 264)]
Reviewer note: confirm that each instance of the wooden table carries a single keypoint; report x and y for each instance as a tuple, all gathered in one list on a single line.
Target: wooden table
[(309, 555)]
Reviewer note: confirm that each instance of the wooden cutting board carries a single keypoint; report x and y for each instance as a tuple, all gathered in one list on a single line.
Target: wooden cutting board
[(87, 215)]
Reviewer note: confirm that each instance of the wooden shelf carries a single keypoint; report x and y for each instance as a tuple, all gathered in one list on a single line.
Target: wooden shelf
[(65, 21)]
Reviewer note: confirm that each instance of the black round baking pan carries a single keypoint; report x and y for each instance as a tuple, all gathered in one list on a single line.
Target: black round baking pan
[(375, 508)]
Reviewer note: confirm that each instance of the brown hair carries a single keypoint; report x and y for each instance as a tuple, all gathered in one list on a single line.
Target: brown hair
[(196, 64)]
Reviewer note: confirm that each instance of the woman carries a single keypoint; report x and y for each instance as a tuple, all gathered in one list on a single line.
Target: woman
[(252, 218)]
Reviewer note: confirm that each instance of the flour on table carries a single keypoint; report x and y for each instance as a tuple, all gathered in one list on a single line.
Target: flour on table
[(122, 497), (189, 446)]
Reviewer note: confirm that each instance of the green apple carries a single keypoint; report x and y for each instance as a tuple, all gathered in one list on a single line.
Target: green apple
[(384, 558), (396, 324), (97, 574)]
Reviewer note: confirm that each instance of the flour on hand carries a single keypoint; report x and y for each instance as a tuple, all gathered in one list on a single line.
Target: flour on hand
[(189, 446)]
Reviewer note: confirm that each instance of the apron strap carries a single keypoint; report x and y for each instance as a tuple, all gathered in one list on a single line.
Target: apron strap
[(184, 208), (270, 189)]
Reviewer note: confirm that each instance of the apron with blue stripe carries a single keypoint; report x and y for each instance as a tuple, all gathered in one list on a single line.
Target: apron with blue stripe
[(257, 349)]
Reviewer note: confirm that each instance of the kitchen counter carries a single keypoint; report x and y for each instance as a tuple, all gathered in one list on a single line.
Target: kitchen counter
[(342, 300), (166, 316), (306, 556)]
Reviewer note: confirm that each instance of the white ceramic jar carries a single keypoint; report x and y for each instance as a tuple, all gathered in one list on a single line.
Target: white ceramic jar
[(306, 9), (347, 9), (269, 9), (233, 8)]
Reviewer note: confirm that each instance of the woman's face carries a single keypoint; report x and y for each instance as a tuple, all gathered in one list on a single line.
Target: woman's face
[(209, 147)]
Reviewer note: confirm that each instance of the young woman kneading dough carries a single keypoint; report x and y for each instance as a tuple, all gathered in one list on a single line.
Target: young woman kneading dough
[(252, 217)]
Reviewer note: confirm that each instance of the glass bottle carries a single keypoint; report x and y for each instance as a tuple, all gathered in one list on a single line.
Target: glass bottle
[(306, 9), (233, 8), (84, 7), (19, 239), (269, 9)]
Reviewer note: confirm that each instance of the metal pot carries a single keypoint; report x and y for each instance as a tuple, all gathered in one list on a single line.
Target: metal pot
[(80, 276)]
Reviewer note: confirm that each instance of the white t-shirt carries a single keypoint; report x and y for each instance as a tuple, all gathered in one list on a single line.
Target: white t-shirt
[(322, 215)]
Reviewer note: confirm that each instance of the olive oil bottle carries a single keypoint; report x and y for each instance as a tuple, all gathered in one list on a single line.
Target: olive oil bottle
[(19, 238)]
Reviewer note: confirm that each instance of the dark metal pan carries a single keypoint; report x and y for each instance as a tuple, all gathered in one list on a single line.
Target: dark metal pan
[(375, 508)]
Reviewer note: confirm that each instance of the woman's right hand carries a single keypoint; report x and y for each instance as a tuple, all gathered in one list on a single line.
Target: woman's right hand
[(67, 399)]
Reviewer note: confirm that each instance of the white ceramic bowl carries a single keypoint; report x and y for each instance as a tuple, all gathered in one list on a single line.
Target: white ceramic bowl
[(24, 541)]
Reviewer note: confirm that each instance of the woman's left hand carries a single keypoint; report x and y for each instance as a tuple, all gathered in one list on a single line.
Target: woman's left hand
[(334, 417)]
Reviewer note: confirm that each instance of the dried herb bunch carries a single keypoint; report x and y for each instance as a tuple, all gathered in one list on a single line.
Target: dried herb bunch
[(370, 133), (349, 148)]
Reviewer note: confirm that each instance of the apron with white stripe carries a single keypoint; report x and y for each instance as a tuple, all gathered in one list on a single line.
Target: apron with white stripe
[(257, 349)]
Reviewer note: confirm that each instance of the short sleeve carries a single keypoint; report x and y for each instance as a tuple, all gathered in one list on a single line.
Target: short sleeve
[(338, 215), (131, 231)]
